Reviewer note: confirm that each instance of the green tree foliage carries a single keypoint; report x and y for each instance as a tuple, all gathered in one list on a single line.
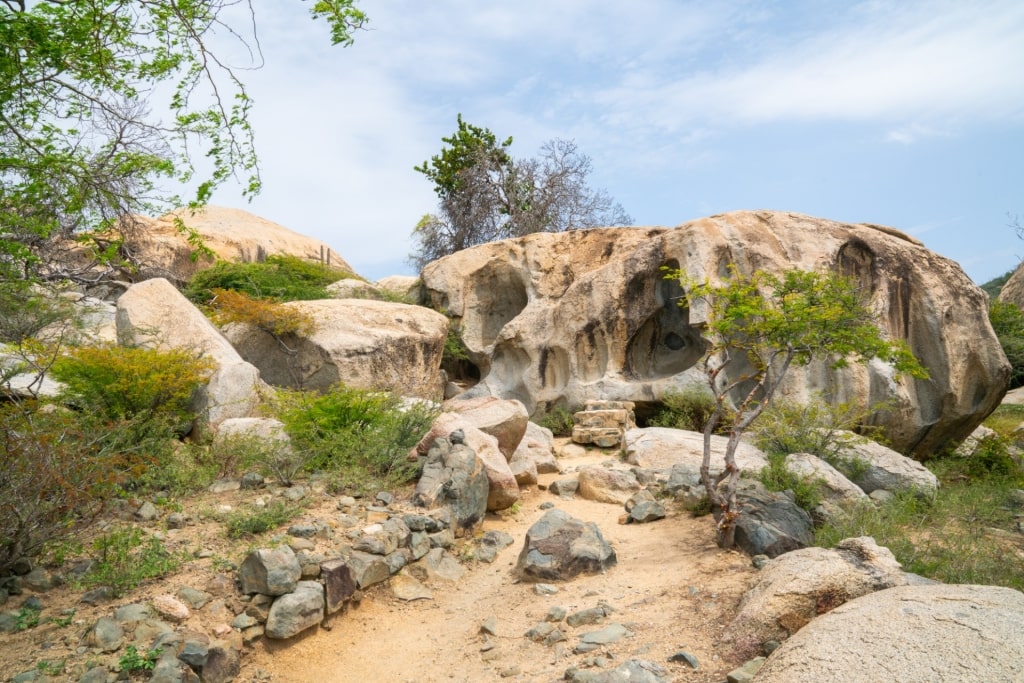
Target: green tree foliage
[(995, 285), (80, 152), (1008, 323), (759, 326), (485, 194)]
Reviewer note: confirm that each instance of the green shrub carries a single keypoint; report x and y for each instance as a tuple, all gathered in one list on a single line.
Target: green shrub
[(689, 409), (1005, 420), (125, 557), (1008, 324), (817, 427), (133, 661), (123, 382), (964, 534), (559, 420), (359, 437), (807, 491), (282, 278), (254, 522)]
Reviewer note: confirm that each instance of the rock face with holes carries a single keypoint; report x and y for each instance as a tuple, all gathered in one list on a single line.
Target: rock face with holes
[(561, 318)]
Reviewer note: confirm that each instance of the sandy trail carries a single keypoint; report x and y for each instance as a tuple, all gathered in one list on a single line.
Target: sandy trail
[(672, 587)]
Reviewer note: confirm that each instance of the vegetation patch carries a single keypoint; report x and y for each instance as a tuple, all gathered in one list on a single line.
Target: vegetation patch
[(125, 557), (279, 278), (247, 523)]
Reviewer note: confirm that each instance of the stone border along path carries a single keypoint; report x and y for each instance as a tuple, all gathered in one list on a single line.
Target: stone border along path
[(673, 590)]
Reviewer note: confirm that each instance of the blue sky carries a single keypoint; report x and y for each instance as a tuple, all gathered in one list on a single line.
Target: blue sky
[(903, 113)]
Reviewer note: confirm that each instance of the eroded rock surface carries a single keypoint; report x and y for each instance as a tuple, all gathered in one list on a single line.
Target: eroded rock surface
[(559, 547), (931, 634), (560, 318)]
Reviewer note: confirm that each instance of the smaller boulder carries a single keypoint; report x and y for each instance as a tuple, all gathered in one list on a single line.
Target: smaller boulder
[(770, 523), (270, 571), (886, 469), (297, 611), (607, 485), (559, 547)]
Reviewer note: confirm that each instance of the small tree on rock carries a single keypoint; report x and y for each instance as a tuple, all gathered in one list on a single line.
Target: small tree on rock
[(760, 326)]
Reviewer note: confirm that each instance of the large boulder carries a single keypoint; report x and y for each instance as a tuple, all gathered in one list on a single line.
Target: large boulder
[(154, 314), (231, 234), (505, 420), (794, 588), (363, 343), (559, 547), (662, 448), (559, 318), (926, 634), (883, 468)]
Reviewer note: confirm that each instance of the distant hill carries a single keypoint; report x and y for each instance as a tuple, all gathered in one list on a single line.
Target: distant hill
[(995, 285)]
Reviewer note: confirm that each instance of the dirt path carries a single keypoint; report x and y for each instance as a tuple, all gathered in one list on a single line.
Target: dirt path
[(672, 588)]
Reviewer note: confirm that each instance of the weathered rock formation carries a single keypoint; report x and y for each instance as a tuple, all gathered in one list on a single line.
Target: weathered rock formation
[(562, 318), (365, 344), (559, 547), (969, 634)]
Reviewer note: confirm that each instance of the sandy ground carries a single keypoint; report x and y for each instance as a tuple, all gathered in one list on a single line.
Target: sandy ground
[(672, 587)]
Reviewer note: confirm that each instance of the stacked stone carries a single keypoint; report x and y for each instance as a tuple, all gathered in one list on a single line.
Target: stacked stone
[(603, 423)]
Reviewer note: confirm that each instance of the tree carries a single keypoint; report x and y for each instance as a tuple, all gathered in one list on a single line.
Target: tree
[(485, 194), (80, 152), (759, 326), (1008, 324)]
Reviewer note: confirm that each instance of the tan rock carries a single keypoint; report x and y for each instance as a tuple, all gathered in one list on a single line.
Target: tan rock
[(154, 314), (661, 448), (797, 586), (362, 343), (561, 318), (232, 235), (837, 488), (170, 609), (1013, 290), (970, 634), (607, 485), (505, 420), (404, 286)]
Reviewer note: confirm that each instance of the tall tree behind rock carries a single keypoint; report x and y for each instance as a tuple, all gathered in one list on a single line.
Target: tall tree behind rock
[(486, 195)]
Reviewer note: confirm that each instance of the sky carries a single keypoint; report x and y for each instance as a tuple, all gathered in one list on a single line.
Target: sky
[(895, 112)]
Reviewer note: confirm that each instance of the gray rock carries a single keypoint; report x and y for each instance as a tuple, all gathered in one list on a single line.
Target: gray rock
[(367, 569), (297, 611), (454, 477), (195, 599), (270, 571), (491, 543), (746, 672), (195, 648), (632, 671), (169, 669), (930, 634), (559, 547), (177, 520), (587, 617), (106, 635), (223, 664), (304, 530), (646, 511), (566, 488), (612, 633), (770, 523), (147, 512), (889, 470), (97, 674)]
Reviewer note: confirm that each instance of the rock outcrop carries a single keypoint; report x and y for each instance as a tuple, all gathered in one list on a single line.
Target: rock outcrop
[(969, 634), (231, 234), (560, 318), (1013, 290), (365, 344)]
